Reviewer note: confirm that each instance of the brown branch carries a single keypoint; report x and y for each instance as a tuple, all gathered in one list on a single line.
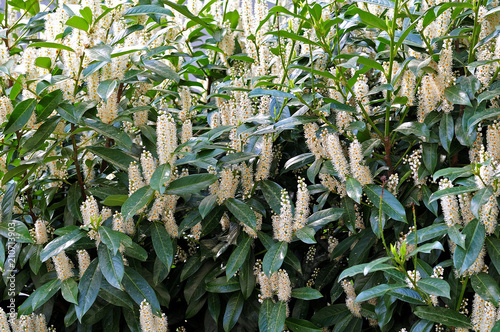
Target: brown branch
[(387, 157)]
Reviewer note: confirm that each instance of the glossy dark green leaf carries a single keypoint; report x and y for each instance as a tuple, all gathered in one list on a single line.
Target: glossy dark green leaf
[(161, 69), (190, 184), (430, 156), (162, 243), (51, 45), (160, 178), (214, 306), (207, 205), (278, 316), (106, 88), (88, 288), (298, 161), (323, 217), (456, 236), (390, 204), (247, 276), (148, 9), (301, 325), (265, 315), (446, 131), (136, 251), (455, 95), (61, 243), (453, 173), (237, 157), (258, 92), (112, 239), (120, 137), (44, 293), (306, 293), (115, 200), (111, 265), (306, 234), (365, 268), (434, 286), (221, 285), (69, 290), (474, 233), (480, 198), (99, 52), (451, 191), (272, 193), (20, 116), (48, 104), (377, 291), (115, 157), (233, 311), (136, 201), (486, 287), (239, 255), (274, 258), (139, 289), (42, 133), (354, 189), (349, 215), (330, 315), (241, 211), (493, 247), (445, 316)]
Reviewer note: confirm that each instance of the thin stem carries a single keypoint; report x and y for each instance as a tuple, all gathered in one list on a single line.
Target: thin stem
[(462, 292), (77, 163)]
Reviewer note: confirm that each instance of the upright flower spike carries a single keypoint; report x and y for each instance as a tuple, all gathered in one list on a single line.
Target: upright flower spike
[(150, 322), (354, 308), (135, 180), (63, 266), (90, 211), (282, 223), (449, 205), (265, 159), (148, 164), (4, 325), (166, 132), (358, 170), (284, 286), (83, 261), (336, 154), (302, 206), (41, 235), (228, 185)]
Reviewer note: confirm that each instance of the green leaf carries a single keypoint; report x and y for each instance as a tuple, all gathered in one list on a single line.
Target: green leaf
[(479, 199), (221, 285), (274, 258), (162, 244), (236, 158), (78, 22), (446, 131), (453, 173), (17, 171), (365, 268), (115, 157), (190, 184), (486, 287), (112, 239), (456, 236), (69, 290), (106, 88), (148, 9), (427, 233), (306, 293), (349, 215), (323, 217), (160, 177), (368, 18), (455, 95), (89, 288), (430, 156), (239, 255), (115, 200), (474, 233), (41, 134), (139, 289), (272, 194), (111, 265), (493, 247), (99, 53), (306, 235), (241, 211), (496, 327), (20, 116), (8, 202), (354, 189), (137, 252), (481, 116), (298, 161), (443, 316), (233, 311), (434, 286), (207, 205), (390, 204), (214, 306), (451, 191), (120, 137), (265, 313), (377, 291), (301, 325), (48, 104), (247, 276), (136, 201), (258, 92), (51, 45), (43, 62), (162, 70), (56, 246), (184, 11), (278, 316), (414, 128), (427, 248), (44, 293)]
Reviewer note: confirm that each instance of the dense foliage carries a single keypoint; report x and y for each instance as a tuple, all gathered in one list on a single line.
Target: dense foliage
[(308, 166)]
